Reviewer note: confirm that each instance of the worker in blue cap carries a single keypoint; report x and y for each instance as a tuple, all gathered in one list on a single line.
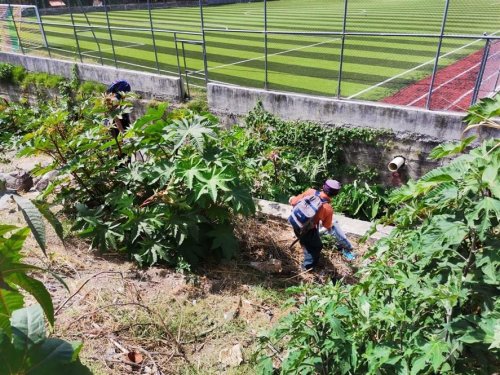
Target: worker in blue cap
[(310, 210)]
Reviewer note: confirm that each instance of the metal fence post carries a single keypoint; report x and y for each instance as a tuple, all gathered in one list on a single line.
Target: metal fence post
[(438, 53), (40, 24), (153, 36), (92, 31), (482, 67), (15, 27), (344, 22), (179, 72), (266, 81), (74, 31), (104, 3), (205, 65)]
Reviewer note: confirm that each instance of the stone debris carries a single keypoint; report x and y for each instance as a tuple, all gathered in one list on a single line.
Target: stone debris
[(46, 179), (231, 357), (19, 180)]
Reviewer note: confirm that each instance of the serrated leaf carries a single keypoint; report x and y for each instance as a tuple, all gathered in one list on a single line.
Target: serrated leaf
[(212, 182), (449, 149), (486, 209), (490, 174), (436, 350), (34, 220), (196, 130), (223, 237), (495, 343), (418, 365)]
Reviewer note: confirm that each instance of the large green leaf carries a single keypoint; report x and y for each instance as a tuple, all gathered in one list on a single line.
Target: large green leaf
[(10, 300), (484, 109), (10, 247), (33, 218), (55, 356), (223, 238), (37, 290), (191, 169), (28, 327), (11, 360), (449, 149), (241, 198), (4, 229), (213, 181), (195, 130), (484, 214)]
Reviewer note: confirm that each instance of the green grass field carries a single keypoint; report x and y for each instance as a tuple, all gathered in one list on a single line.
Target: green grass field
[(374, 66)]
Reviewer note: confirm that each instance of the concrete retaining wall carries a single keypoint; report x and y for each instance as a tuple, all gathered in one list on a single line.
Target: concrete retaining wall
[(441, 126), (412, 133), (149, 85)]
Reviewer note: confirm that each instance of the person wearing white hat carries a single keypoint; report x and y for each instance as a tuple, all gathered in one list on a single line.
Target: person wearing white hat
[(306, 225)]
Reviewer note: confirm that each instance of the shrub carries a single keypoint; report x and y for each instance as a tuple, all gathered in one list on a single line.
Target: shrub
[(282, 158), (428, 303), (175, 206), (6, 72)]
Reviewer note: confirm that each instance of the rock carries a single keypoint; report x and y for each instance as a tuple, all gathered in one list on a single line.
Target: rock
[(5, 199), (46, 179), (19, 180), (231, 357)]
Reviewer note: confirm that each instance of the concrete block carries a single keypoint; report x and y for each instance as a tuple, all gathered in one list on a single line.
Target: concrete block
[(404, 121), (348, 225), (148, 84)]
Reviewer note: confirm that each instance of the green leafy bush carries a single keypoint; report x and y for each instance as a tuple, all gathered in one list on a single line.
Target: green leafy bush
[(6, 70), (174, 206), (15, 121), (24, 346), (91, 88), (362, 201), (283, 158), (428, 303)]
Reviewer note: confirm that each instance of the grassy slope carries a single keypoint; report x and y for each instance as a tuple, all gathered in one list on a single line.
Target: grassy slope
[(296, 62)]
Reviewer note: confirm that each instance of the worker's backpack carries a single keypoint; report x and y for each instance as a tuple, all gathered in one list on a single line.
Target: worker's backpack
[(304, 212)]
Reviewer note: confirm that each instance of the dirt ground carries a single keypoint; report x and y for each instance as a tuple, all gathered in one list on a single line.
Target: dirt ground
[(159, 321)]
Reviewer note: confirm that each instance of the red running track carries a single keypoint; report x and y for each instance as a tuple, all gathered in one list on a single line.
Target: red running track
[(454, 84)]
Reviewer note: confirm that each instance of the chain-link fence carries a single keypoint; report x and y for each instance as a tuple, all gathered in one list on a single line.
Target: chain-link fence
[(436, 54)]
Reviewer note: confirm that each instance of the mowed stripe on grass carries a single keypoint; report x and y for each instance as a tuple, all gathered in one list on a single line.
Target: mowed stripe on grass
[(296, 63)]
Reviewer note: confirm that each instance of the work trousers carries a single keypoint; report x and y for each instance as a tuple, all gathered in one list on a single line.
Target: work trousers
[(312, 246)]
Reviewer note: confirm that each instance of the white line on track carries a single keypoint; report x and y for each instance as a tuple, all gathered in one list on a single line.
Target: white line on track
[(413, 69), (448, 81), (272, 54), (443, 84), (470, 91)]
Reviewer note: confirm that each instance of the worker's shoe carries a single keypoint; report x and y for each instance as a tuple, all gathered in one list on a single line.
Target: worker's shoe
[(348, 255)]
